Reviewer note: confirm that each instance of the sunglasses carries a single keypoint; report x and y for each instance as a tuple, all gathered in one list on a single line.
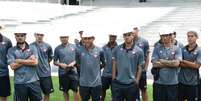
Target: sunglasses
[(40, 34), (166, 35), (113, 36), (22, 35), (88, 38), (127, 34), (63, 36)]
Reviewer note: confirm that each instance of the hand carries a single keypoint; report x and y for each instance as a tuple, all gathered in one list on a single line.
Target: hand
[(63, 65), (113, 78), (14, 66), (70, 65), (157, 64), (136, 82)]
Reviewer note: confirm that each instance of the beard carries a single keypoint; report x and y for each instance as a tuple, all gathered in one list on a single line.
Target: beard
[(128, 42), (88, 45), (20, 42), (112, 42)]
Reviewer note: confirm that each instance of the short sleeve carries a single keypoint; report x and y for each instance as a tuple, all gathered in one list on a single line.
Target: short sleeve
[(50, 53), (198, 59), (34, 51), (10, 56), (56, 54), (141, 58), (155, 56), (114, 53), (178, 54)]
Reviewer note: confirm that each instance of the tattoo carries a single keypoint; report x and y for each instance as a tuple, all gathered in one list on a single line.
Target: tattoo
[(169, 63)]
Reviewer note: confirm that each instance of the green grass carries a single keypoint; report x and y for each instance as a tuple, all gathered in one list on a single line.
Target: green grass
[(57, 95)]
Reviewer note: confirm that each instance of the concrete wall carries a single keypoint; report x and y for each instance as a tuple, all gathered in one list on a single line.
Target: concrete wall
[(50, 1)]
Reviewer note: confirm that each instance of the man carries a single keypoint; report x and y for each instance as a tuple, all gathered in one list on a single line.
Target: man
[(90, 59), (45, 56), (23, 59), (127, 65), (5, 44), (144, 45), (77, 41), (166, 58), (189, 73), (64, 58), (107, 71), (174, 40)]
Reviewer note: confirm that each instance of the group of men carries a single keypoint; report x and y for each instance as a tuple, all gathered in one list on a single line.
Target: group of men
[(175, 67)]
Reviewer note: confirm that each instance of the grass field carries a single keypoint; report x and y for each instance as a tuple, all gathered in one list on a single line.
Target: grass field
[(58, 96)]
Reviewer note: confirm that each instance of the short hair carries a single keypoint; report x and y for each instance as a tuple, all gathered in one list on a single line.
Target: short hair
[(174, 33), (194, 33)]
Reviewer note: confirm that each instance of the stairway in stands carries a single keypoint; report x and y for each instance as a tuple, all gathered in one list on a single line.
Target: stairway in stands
[(184, 17)]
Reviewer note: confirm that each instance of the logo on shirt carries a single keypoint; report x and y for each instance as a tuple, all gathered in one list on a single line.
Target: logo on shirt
[(141, 44), (133, 52), (72, 49), (44, 49), (82, 54), (121, 49), (3, 43), (95, 55), (28, 50), (161, 51), (195, 53)]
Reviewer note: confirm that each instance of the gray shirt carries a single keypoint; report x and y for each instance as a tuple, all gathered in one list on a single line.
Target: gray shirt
[(65, 54), (5, 44), (45, 55), (167, 76), (144, 45), (108, 51), (24, 74), (127, 62), (89, 61), (190, 76)]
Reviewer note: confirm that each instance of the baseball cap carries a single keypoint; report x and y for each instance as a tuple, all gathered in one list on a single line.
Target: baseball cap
[(166, 29)]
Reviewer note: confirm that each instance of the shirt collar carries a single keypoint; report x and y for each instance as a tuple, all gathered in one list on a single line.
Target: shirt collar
[(130, 49), (65, 45), (26, 46), (109, 45), (38, 43), (186, 47)]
